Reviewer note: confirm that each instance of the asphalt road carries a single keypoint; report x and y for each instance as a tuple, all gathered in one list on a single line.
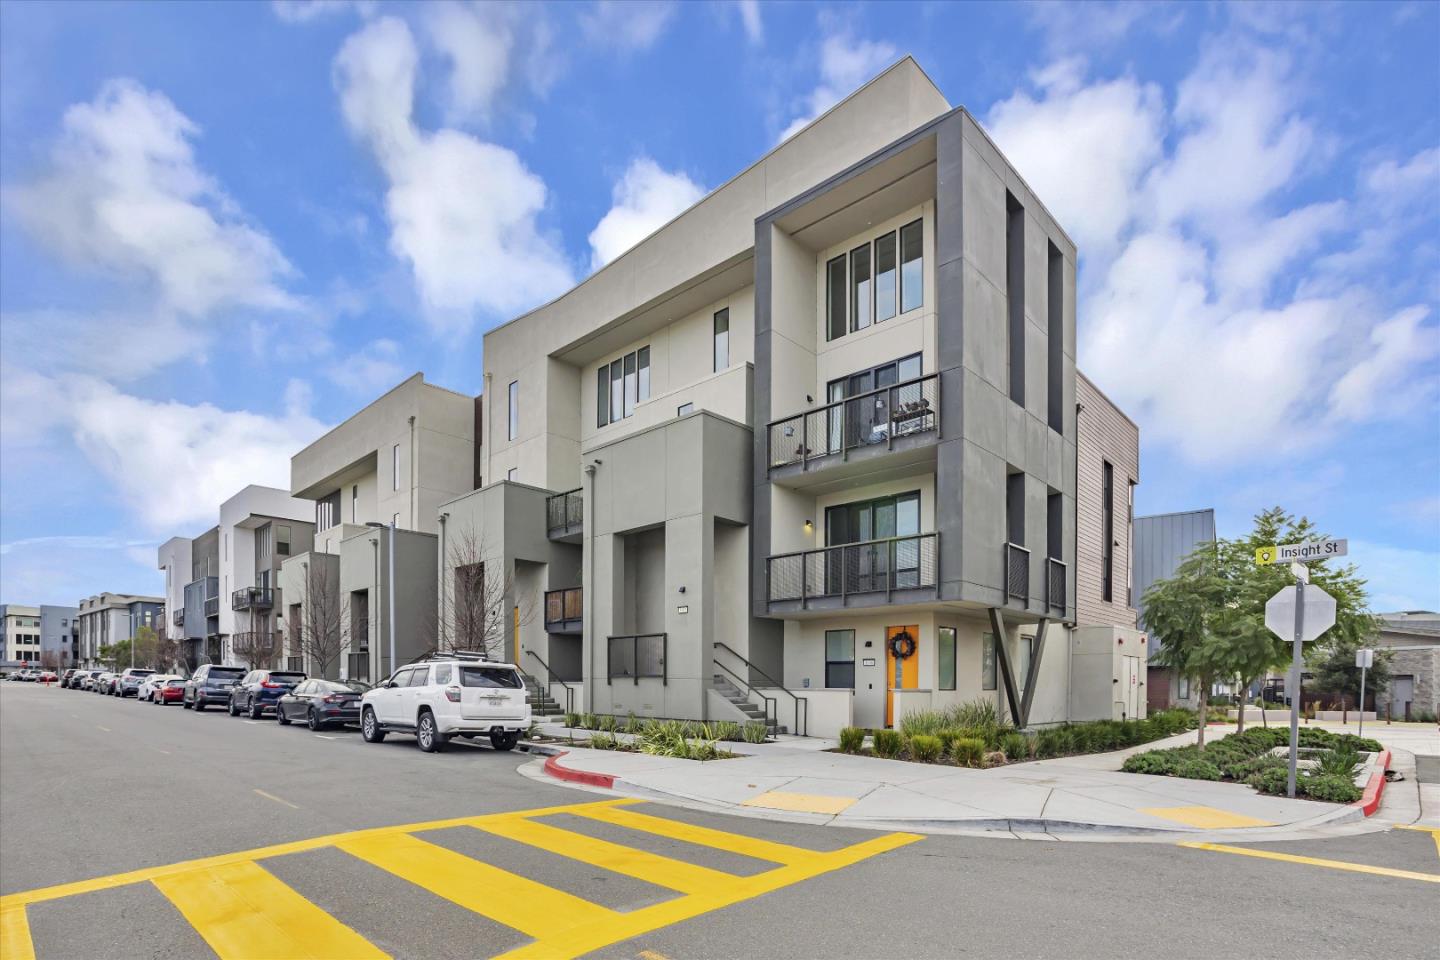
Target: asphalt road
[(92, 787)]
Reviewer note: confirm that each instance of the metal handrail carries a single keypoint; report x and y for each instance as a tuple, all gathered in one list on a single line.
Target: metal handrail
[(570, 512), (772, 717), (635, 638), (805, 727), (922, 408), (1017, 576), (1055, 586), (550, 679), (834, 579)]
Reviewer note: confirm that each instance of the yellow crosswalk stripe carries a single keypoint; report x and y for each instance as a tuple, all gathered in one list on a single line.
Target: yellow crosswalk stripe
[(504, 897), (703, 836), (242, 911), (15, 942), (640, 864)]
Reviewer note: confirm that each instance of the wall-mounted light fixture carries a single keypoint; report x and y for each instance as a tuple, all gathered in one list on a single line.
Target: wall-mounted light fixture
[(809, 527)]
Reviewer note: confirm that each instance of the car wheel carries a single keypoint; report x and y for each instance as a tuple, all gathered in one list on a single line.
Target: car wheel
[(427, 737), (314, 720), (233, 710), (199, 705), (504, 741), (185, 703), (370, 727), (280, 717), (256, 711)]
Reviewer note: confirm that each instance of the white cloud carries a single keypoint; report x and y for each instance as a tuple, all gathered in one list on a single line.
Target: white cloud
[(749, 13), (477, 46), (1397, 578), (308, 11), (123, 195), (462, 211), (845, 64), (370, 370), (62, 569), (1396, 347), (172, 462), (645, 199), (1090, 27), (628, 26)]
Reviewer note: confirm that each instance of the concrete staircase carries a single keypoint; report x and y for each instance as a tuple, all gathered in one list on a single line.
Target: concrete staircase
[(542, 707), (727, 689)]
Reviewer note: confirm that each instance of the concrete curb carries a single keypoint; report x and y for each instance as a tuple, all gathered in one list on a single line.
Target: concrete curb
[(554, 768), (1369, 801)]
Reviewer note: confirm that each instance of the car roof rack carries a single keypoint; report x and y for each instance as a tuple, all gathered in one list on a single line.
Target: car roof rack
[(475, 655)]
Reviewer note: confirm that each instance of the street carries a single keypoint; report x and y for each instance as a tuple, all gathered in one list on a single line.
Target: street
[(323, 845)]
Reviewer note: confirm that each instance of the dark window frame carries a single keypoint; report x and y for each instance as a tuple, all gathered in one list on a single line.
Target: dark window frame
[(940, 647), (1107, 531), (829, 663), (720, 342)]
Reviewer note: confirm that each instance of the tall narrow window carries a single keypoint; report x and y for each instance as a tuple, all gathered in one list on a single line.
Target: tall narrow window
[(1130, 544), (987, 662), (835, 298), (602, 396), (1015, 293), (513, 422), (1053, 530), (355, 503), (630, 384), (643, 383), (722, 340), (617, 389), (946, 652), (840, 658), (1055, 347), (912, 266), (885, 278), (1015, 508), (1107, 532), (282, 539), (395, 467), (861, 294)]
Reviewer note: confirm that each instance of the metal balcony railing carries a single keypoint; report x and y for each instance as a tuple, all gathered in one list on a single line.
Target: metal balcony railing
[(1055, 571), (564, 610), (564, 512), (252, 598), (1017, 573), (637, 657), (873, 566), (212, 607), (178, 616), (358, 666), (878, 417)]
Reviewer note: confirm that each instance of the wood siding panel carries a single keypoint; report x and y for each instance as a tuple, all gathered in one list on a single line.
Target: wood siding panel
[(1104, 433)]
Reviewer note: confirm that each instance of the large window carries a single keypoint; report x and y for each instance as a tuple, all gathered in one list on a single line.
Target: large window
[(1107, 532), (513, 421), (885, 278), (912, 266), (1015, 294), (722, 340), (840, 658), (860, 292), (947, 658), (327, 513), (987, 661), (835, 298), (876, 281), (628, 378)]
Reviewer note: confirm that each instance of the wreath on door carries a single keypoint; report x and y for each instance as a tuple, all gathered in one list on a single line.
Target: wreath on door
[(902, 645)]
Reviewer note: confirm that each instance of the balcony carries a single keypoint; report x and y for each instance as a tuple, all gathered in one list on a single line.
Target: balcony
[(564, 516), (178, 617), (212, 607), (875, 572), (1017, 573), (252, 598), (1055, 571), (563, 611), (902, 420)]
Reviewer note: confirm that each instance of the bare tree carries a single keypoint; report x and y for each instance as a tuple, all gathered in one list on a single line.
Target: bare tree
[(257, 648), (168, 652), (50, 660), (485, 606), (322, 622)]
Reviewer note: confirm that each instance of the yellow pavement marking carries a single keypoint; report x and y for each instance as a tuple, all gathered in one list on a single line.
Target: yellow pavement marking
[(243, 911), (271, 796), (1316, 862), (15, 941), (1433, 831), (800, 802), (702, 836), (505, 897), (651, 955), (640, 864), (589, 937), (1209, 818)]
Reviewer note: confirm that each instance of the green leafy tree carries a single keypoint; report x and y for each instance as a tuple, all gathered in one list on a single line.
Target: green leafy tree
[(1333, 666), (1210, 616)]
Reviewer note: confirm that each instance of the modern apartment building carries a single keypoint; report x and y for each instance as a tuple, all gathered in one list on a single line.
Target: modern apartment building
[(392, 463), (1162, 542), (19, 635), (108, 618), (806, 450)]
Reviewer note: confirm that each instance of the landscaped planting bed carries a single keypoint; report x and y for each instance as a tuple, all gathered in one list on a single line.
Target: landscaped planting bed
[(683, 739), (1247, 758), (974, 735)]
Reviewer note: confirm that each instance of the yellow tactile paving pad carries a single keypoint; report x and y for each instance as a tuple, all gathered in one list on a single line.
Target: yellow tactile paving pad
[(241, 909), (1207, 818), (800, 802)]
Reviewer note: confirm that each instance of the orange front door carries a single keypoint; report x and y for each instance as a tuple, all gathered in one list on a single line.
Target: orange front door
[(900, 674)]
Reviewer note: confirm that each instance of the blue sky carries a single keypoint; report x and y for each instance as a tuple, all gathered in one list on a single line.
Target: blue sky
[(226, 226)]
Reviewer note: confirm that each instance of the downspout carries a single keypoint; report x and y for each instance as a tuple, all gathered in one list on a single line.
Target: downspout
[(374, 592), (440, 576), (413, 524), (587, 672)]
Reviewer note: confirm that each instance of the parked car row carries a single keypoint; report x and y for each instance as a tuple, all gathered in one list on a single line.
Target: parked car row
[(31, 675), (434, 699)]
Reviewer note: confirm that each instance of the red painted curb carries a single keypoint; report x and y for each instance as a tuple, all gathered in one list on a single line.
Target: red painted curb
[(1369, 801), (553, 768)]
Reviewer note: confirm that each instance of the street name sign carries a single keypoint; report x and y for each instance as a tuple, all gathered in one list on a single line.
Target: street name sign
[(1319, 613), (1302, 552)]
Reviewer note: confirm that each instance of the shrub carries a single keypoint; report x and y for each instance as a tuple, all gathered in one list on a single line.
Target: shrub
[(755, 731), (851, 739), (728, 730), (1242, 770), (923, 722), (633, 724), (604, 741), (925, 748), (1339, 761), (948, 736), (887, 743), (572, 720), (606, 723), (1196, 768), (974, 713), (1329, 787), (588, 721), (1156, 762), (968, 752), (1272, 779), (1015, 745)]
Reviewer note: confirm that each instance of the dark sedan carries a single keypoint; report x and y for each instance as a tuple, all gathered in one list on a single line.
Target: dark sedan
[(322, 703)]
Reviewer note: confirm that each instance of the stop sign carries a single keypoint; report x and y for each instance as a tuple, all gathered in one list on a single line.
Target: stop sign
[(1319, 612)]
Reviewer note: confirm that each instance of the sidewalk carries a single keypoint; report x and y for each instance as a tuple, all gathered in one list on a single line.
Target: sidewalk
[(1069, 798)]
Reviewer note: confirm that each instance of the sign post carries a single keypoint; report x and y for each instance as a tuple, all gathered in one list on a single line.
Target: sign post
[(1300, 614), (1364, 659)]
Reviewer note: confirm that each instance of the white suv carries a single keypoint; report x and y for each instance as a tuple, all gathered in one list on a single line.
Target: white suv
[(448, 695)]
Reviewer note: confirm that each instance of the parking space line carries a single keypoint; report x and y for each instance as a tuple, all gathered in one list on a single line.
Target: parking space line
[(242, 910), (628, 861), (703, 836), (271, 796), (505, 897), (1315, 861), (15, 943)]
